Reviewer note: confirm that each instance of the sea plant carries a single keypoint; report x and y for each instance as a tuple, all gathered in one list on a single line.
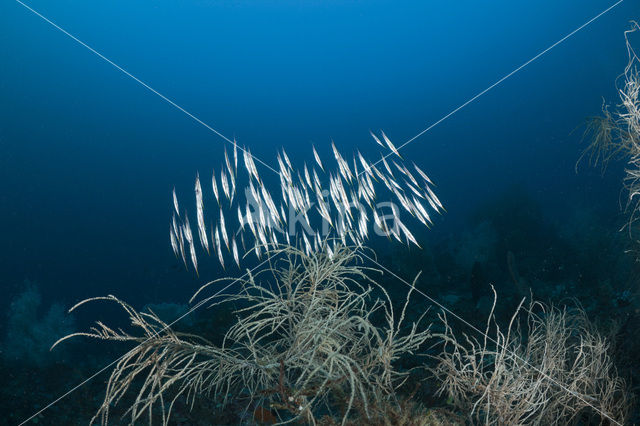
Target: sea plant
[(616, 134), (549, 366), (304, 331)]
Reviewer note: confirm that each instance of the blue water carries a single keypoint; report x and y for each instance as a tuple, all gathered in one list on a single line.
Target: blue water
[(88, 157)]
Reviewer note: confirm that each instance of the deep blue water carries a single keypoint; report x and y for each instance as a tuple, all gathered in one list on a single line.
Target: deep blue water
[(88, 157)]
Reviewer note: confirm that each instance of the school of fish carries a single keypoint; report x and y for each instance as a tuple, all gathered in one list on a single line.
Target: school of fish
[(317, 208)]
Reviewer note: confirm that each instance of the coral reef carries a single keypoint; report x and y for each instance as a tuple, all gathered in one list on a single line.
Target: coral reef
[(303, 335), (31, 331), (616, 135), (549, 366)]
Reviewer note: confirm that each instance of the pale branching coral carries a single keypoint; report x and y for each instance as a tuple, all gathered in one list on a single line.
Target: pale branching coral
[(604, 145), (304, 332), (617, 134), (629, 124), (548, 367)]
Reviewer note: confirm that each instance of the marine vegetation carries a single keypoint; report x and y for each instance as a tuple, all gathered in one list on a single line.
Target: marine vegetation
[(605, 144), (616, 134), (316, 337), (550, 366), (304, 333)]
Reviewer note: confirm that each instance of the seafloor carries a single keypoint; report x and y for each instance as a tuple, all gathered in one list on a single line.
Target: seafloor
[(511, 242)]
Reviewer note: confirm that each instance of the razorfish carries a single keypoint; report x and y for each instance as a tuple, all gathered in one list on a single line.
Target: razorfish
[(202, 232), (350, 186)]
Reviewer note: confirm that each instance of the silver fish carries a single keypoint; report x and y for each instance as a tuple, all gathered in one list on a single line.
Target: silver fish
[(223, 230), (214, 185), (322, 209), (414, 190), (375, 138), (423, 174), (316, 179), (307, 177), (404, 201), (308, 250), (422, 211), (228, 163), (234, 248), (218, 247), (187, 229), (175, 202), (405, 172), (408, 234), (317, 157), (240, 218), (395, 234), (362, 224), (282, 213), (434, 198), (250, 220), (329, 251), (372, 189), (189, 237), (257, 249), (284, 173), (378, 173), (386, 166), (342, 165), (202, 232), (225, 184), (174, 224), (233, 189), (261, 236), (301, 181), (180, 237), (235, 155), (286, 158), (395, 184), (432, 204), (194, 259), (365, 165), (262, 223), (391, 146), (174, 241), (251, 165), (273, 211)]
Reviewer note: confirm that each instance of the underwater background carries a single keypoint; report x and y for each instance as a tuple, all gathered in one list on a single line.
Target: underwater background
[(88, 157)]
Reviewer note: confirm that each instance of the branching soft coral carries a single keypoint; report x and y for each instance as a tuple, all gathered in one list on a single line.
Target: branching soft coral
[(605, 144), (305, 331), (617, 134), (549, 366)]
